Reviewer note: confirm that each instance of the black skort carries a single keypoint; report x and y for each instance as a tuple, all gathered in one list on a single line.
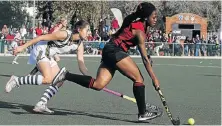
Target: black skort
[(112, 54)]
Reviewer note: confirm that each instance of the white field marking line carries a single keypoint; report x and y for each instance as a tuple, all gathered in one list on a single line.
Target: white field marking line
[(158, 57), (177, 65), (186, 65)]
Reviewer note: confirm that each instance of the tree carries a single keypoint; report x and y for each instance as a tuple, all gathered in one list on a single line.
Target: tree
[(95, 10), (11, 13)]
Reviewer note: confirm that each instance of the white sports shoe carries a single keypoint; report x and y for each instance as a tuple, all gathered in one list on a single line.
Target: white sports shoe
[(14, 62), (11, 84), (147, 116), (41, 107)]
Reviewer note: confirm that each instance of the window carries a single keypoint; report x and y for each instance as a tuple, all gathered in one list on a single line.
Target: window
[(186, 26)]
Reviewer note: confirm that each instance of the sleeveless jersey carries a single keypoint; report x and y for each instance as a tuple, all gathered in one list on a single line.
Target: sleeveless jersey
[(126, 39), (61, 47), (59, 43)]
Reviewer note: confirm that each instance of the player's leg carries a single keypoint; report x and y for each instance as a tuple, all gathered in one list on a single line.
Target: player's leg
[(104, 76), (41, 106), (14, 45), (46, 77), (15, 60), (35, 69), (104, 73), (38, 56), (128, 68)]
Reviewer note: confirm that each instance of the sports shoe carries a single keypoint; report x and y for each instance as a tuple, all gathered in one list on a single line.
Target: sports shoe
[(147, 116), (14, 62), (11, 84), (154, 108), (60, 77), (41, 107)]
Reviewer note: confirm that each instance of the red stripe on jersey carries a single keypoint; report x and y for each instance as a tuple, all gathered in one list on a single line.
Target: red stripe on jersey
[(126, 39)]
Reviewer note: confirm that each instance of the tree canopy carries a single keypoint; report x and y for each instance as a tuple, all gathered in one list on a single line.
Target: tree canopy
[(93, 11), (11, 14)]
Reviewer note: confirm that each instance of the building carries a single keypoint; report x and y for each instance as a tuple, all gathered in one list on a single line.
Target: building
[(187, 24)]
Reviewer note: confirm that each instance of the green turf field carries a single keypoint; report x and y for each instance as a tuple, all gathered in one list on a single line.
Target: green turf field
[(192, 89)]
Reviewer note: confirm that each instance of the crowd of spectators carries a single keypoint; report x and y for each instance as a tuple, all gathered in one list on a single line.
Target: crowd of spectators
[(158, 42)]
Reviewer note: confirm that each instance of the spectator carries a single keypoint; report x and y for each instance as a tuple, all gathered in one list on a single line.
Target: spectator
[(158, 43), (203, 46), (177, 46), (14, 44), (104, 36), (170, 42), (23, 31), (96, 36), (166, 47), (38, 30), (101, 26), (216, 45), (10, 38), (186, 46), (107, 23), (191, 47), (197, 42), (5, 31), (91, 26), (18, 37), (210, 47), (90, 37), (45, 30)]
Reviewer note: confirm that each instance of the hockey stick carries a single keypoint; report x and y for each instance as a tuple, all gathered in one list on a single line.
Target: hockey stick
[(119, 95)]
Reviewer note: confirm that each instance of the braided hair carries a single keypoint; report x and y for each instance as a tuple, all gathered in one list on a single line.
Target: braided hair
[(143, 11)]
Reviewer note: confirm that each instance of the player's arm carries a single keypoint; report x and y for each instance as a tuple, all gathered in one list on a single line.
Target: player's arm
[(80, 59), (59, 27), (59, 35), (141, 45)]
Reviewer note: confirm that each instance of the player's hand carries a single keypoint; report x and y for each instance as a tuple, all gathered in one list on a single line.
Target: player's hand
[(56, 58), (17, 50)]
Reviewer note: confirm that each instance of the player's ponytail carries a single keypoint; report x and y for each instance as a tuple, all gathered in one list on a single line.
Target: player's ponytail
[(126, 22), (143, 11)]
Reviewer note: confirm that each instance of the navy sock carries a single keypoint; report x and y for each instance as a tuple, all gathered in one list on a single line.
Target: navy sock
[(83, 80), (139, 94)]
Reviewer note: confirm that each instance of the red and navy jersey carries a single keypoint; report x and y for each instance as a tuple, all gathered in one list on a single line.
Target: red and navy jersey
[(126, 39)]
